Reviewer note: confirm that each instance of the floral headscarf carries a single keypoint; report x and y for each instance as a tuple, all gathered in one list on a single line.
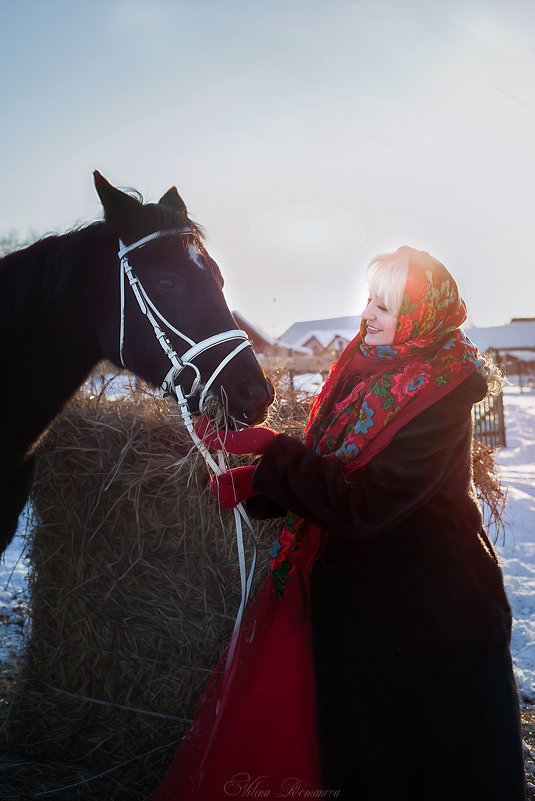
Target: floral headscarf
[(373, 391)]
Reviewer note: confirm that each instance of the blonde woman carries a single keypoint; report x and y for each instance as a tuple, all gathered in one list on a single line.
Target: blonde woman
[(374, 663)]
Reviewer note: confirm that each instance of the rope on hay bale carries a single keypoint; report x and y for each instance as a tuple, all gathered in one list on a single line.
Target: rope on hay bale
[(134, 579)]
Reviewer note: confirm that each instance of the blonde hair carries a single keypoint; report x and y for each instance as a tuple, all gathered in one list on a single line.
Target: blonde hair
[(493, 374), (387, 276)]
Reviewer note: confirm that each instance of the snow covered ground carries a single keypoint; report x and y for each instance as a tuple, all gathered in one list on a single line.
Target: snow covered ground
[(517, 553), (13, 598)]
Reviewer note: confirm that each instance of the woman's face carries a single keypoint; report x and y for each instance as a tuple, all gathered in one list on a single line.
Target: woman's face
[(381, 324)]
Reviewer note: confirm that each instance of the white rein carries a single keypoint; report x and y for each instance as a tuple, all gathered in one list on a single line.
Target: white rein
[(179, 363)]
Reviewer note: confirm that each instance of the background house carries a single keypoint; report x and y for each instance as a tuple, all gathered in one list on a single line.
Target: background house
[(325, 338), (324, 331), (512, 345), (518, 335), (271, 353)]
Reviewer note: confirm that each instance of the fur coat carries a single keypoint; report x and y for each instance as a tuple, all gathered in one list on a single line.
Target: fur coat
[(410, 621)]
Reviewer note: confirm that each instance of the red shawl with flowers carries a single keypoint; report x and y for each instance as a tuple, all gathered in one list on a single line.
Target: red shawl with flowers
[(371, 392)]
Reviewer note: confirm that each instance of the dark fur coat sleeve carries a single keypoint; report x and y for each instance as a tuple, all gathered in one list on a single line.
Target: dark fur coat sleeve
[(426, 464)]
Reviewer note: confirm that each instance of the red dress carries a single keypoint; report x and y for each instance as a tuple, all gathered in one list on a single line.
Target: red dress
[(254, 730)]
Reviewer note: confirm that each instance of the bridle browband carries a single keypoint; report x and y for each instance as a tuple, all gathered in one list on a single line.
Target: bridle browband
[(147, 307)]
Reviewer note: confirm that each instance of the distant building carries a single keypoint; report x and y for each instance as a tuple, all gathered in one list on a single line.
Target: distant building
[(297, 332), (264, 345), (323, 337), (518, 335)]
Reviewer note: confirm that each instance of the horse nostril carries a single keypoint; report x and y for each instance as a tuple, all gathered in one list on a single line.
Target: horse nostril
[(254, 391), (254, 399)]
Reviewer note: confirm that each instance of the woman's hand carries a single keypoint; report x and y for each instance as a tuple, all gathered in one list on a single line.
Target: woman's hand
[(234, 486), (248, 440)]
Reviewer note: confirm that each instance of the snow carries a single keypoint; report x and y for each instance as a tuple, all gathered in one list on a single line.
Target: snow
[(517, 554), (522, 355), (13, 596), (309, 383)]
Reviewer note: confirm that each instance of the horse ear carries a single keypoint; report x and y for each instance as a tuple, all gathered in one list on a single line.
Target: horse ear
[(117, 205), (173, 200)]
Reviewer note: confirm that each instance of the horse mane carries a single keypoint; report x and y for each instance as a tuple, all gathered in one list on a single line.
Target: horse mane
[(34, 276)]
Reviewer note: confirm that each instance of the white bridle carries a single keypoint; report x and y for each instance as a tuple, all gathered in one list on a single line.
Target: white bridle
[(147, 307), (179, 363)]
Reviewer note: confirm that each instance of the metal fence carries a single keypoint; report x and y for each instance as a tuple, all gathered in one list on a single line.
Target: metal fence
[(489, 421)]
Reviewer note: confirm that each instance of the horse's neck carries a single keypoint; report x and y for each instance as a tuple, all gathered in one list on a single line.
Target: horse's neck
[(49, 345)]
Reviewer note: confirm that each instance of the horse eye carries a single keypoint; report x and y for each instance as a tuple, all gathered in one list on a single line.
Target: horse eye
[(166, 283)]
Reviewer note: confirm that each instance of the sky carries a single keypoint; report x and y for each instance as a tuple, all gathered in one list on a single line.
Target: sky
[(305, 136)]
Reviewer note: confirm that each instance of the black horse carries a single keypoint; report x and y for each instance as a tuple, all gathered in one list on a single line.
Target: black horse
[(61, 314)]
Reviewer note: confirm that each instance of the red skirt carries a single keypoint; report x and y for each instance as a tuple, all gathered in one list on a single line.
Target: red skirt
[(254, 729)]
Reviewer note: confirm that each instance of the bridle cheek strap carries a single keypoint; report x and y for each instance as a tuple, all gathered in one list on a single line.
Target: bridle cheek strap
[(221, 367), (178, 364)]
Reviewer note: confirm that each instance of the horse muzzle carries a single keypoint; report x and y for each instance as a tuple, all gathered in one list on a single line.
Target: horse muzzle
[(251, 400)]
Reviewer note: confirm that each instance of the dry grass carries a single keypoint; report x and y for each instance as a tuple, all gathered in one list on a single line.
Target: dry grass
[(490, 492), (134, 589), (528, 731)]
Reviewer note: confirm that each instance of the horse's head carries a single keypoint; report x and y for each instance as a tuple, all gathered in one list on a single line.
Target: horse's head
[(182, 289)]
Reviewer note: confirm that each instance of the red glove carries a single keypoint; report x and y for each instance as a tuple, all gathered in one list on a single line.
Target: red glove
[(248, 440), (234, 486)]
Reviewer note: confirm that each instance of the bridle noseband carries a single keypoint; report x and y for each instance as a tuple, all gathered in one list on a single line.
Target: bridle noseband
[(147, 307)]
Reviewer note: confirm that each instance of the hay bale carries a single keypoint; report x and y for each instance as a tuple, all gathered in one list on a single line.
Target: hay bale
[(134, 582)]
